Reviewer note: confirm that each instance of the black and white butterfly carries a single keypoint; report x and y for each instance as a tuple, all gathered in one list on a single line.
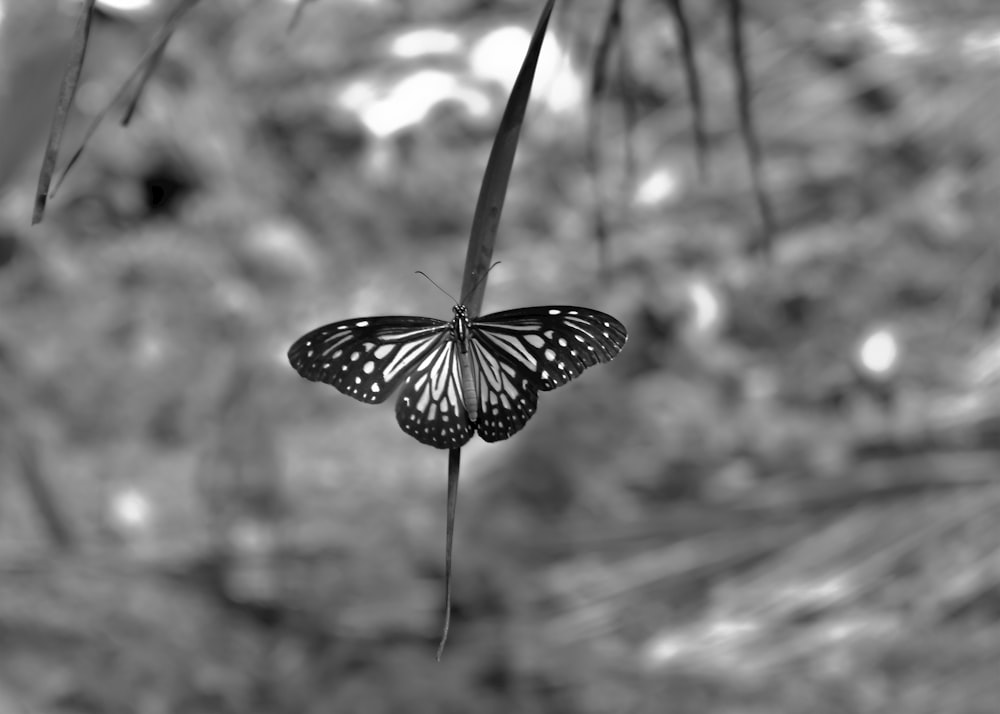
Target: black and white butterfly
[(459, 377)]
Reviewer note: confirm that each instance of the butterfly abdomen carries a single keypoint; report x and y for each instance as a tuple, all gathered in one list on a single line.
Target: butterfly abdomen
[(469, 395)]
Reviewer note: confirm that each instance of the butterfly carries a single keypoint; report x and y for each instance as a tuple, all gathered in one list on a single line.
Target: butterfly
[(462, 376)]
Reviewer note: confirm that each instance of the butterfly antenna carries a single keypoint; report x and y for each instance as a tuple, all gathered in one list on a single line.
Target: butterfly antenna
[(481, 279), (420, 272)]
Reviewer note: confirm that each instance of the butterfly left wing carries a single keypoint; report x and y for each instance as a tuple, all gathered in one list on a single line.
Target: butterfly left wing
[(367, 358), (517, 353), (430, 407)]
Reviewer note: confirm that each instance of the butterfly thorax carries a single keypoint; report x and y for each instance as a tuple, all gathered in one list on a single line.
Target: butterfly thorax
[(460, 327), (460, 332)]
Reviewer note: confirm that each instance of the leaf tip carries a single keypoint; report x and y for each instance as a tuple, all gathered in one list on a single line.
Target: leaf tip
[(39, 210)]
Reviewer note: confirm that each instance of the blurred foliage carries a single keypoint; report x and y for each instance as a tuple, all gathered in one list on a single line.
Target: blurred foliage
[(782, 496)]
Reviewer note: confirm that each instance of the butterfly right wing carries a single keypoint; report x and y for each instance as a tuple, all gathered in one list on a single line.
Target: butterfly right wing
[(367, 358)]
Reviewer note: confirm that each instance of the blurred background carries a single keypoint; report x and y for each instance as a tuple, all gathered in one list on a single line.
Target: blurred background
[(781, 497)]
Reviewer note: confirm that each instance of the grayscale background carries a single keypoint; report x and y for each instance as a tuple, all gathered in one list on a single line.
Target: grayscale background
[(782, 497)]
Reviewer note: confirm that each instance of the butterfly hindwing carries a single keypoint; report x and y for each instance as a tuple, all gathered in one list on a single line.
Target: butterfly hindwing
[(550, 345), (506, 397), (430, 407), (367, 358)]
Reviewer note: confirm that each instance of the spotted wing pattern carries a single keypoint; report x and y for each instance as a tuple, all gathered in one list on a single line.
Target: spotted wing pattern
[(517, 353), (431, 408), (512, 354), (368, 358)]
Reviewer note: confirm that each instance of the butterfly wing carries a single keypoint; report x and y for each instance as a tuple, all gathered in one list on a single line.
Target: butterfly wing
[(516, 353), (506, 396), (430, 407), (367, 358), (551, 344)]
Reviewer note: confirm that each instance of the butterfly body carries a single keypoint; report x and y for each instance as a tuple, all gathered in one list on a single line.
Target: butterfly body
[(463, 376), (460, 327)]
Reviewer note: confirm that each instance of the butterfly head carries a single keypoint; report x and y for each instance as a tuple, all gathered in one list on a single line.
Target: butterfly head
[(461, 313)]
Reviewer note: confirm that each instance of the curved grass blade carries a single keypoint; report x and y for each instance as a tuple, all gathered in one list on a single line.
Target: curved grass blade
[(300, 7), (482, 238), (454, 461), (494, 188), (138, 77), (147, 72), (748, 131), (67, 91), (693, 80), (630, 108), (49, 507), (158, 47), (610, 37)]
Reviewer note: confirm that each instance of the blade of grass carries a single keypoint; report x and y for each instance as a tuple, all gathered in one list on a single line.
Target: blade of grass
[(143, 70), (763, 244), (147, 72), (44, 497), (482, 238), (486, 219), (454, 462), (67, 91), (610, 37), (693, 80), (300, 7), (630, 109)]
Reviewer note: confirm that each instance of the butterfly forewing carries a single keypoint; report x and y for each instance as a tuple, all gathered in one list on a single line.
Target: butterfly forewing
[(549, 345), (430, 406), (368, 358)]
